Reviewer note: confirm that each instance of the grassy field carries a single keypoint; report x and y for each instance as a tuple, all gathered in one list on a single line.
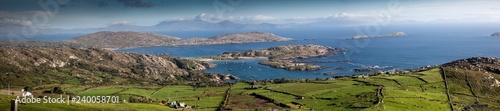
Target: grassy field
[(411, 92), (140, 92), (102, 92), (5, 105), (209, 97)]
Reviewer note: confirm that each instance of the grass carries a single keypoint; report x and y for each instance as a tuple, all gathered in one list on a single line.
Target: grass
[(418, 91), (405, 80), (379, 81), (308, 89), (430, 76), (410, 104), (210, 97), (347, 91), (5, 105), (137, 91), (101, 92), (76, 89)]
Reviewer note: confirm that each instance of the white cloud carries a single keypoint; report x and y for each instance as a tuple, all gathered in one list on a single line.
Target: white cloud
[(122, 22)]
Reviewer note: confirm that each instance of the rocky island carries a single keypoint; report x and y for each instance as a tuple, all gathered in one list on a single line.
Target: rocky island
[(496, 34), (130, 39), (393, 34), (284, 57)]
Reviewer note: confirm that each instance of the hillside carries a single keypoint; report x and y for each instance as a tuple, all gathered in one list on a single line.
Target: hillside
[(129, 39), (459, 85), (34, 66), (237, 38), (474, 82), (107, 39)]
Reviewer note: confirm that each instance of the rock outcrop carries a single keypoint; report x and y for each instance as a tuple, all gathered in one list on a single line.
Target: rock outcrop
[(490, 64)]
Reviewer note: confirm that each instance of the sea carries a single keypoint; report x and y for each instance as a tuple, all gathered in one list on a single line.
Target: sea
[(422, 47)]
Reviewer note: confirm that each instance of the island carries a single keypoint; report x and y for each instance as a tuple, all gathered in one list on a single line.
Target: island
[(496, 34), (130, 39), (283, 57), (393, 34)]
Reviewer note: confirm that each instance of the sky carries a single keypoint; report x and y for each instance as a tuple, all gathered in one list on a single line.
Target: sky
[(69, 14)]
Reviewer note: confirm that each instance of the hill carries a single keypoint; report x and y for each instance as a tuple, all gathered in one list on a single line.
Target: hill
[(473, 82), (108, 39), (32, 66), (459, 85), (237, 38), (129, 39)]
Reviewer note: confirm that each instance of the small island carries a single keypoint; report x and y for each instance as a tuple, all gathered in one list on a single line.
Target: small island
[(283, 57), (393, 34), (496, 34)]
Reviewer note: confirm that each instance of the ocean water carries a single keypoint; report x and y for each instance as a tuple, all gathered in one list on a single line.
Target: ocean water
[(418, 49), (424, 46)]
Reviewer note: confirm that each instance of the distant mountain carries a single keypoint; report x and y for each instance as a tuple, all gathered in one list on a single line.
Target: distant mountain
[(204, 25), (121, 27), (496, 34)]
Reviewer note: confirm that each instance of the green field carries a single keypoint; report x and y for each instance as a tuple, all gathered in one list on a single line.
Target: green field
[(140, 92), (410, 92), (102, 92)]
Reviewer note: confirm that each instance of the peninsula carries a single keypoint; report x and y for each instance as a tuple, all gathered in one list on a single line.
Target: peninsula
[(284, 57)]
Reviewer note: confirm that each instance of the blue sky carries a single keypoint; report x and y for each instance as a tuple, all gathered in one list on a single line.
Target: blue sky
[(101, 13)]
